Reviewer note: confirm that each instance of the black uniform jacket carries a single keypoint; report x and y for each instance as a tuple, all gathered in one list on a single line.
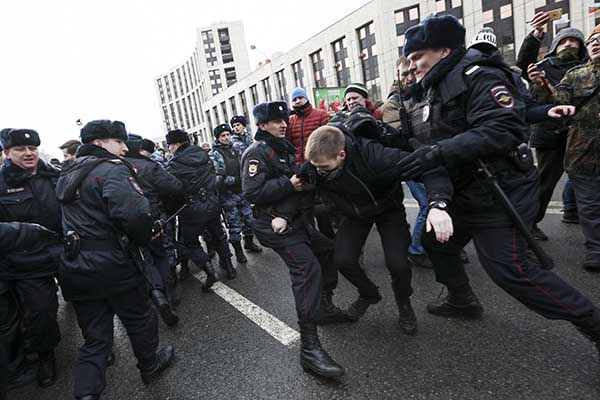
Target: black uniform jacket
[(101, 200), (25, 197), (266, 184), (194, 168), (157, 184), (473, 110)]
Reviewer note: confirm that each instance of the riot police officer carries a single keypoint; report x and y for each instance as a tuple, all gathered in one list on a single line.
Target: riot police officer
[(282, 206), (241, 138), (469, 116), (27, 194), (105, 218)]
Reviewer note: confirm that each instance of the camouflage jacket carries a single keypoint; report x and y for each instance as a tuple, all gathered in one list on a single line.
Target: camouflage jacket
[(241, 143), (583, 140)]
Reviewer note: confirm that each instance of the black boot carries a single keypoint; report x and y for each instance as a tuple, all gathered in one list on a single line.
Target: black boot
[(407, 317), (538, 234), (184, 272), (230, 271), (460, 302), (570, 216), (239, 252), (212, 276), (250, 245), (360, 306), (46, 369), (24, 375), (330, 313), (312, 356), (164, 359), (164, 308)]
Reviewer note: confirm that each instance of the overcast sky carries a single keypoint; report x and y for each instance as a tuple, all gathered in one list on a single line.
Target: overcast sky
[(68, 59)]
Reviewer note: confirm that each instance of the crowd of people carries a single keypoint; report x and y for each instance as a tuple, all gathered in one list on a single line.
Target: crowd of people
[(117, 223)]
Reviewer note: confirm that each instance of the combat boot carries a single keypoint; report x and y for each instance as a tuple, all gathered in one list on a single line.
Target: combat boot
[(164, 308), (330, 313), (164, 359), (460, 302), (407, 317), (239, 252), (212, 276), (312, 356), (230, 271), (360, 306), (250, 245), (570, 216), (46, 369)]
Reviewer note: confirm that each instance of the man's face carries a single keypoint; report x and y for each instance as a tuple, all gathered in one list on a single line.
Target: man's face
[(67, 156), (407, 77), (420, 62), (326, 166), (567, 43), (114, 146), (238, 128), (275, 127), (225, 138), (593, 47), (299, 102), (26, 157), (353, 99)]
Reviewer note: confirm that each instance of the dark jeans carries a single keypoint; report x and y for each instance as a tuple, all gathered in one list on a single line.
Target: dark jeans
[(550, 167), (417, 190), (568, 196), (191, 232), (587, 191), (159, 268), (502, 252), (96, 322), (395, 239), (303, 260)]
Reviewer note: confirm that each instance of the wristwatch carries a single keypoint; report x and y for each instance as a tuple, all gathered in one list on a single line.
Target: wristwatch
[(439, 204)]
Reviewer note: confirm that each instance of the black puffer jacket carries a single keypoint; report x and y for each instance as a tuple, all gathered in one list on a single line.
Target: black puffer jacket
[(101, 200), (25, 197)]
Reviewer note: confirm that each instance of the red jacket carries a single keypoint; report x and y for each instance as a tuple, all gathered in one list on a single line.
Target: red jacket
[(302, 125)]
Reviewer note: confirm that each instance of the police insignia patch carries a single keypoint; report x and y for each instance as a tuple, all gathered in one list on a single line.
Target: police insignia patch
[(135, 185), (502, 96), (252, 167)]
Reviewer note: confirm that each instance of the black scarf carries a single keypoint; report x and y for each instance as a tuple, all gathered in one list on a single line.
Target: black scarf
[(302, 109), (282, 146), (16, 176)]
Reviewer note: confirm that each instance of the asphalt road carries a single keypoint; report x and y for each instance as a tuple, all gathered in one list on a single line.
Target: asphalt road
[(510, 354)]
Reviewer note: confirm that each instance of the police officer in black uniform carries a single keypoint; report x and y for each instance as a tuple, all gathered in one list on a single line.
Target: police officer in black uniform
[(281, 209), (157, 185), (27, 194), (105, 218), (470, 111), (192, 166)]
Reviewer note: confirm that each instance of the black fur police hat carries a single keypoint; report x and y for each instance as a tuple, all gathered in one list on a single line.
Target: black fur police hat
[(239, 118), (220, 129), (434, 32), (148, 145), (10, 137), (265, 112), (177, 136), (103, 129), (134, 143)]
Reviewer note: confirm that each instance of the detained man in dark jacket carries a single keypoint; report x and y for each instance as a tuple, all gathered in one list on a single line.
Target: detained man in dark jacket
[(471, 114), (27, 194), (105, 218), (158, 185), (192, 166), (549, 138)]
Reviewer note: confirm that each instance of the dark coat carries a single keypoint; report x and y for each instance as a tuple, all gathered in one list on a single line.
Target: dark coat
[(25, 197), (101, 201)]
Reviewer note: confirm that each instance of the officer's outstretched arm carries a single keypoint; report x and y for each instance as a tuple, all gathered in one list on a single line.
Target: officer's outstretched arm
[(257, 187)]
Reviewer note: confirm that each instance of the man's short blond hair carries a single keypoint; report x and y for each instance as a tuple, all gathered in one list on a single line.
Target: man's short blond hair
[(325, 142)]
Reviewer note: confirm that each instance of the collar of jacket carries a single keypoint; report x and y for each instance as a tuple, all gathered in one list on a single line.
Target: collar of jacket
[(304, 109), (282, 146), (16, 176)]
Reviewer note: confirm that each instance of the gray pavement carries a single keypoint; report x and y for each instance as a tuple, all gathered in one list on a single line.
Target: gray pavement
[(510, 354)]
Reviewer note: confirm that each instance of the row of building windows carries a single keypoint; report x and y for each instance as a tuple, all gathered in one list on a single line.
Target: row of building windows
[(183, 113), (178, 82)]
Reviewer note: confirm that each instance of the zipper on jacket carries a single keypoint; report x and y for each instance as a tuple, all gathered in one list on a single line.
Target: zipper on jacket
[(364, 187)]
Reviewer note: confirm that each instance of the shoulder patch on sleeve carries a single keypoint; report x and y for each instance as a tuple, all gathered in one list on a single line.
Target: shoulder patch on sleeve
[(471, 70), (135, 185), (253, 167), (502, 96)]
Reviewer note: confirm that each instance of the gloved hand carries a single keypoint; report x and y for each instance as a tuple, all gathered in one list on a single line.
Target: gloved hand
[(423, 159), (441, 222), (279, 225), (229, 180), (157, 229)]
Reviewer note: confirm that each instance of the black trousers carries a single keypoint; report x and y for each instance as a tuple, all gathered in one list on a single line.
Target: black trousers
[(395, 240), (161, 271), (191, 232), (303, 259), (11, 343), (502, 252), (95, 319), (550, 167)]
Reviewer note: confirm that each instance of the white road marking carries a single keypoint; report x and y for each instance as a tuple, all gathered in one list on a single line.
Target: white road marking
[(267, 322)]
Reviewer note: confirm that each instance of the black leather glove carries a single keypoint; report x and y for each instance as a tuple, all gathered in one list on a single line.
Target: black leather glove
[(423, 159)]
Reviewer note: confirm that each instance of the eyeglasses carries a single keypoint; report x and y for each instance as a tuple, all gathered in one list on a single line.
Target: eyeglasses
[(594, 40)]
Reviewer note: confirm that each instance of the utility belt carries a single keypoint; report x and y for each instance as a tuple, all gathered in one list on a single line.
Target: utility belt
[(74, 244)]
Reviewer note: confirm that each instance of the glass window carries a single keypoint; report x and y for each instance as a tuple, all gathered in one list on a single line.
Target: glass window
[(440, 5), (488, 16), (506, 11)]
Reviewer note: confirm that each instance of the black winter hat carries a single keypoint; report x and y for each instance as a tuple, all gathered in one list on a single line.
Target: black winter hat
[(220, 129), (239, 118), (103, 129), (265, 112), (177, 136), (357, 88), (10, 137), (434, 32), (134, 143), (148, 145)]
